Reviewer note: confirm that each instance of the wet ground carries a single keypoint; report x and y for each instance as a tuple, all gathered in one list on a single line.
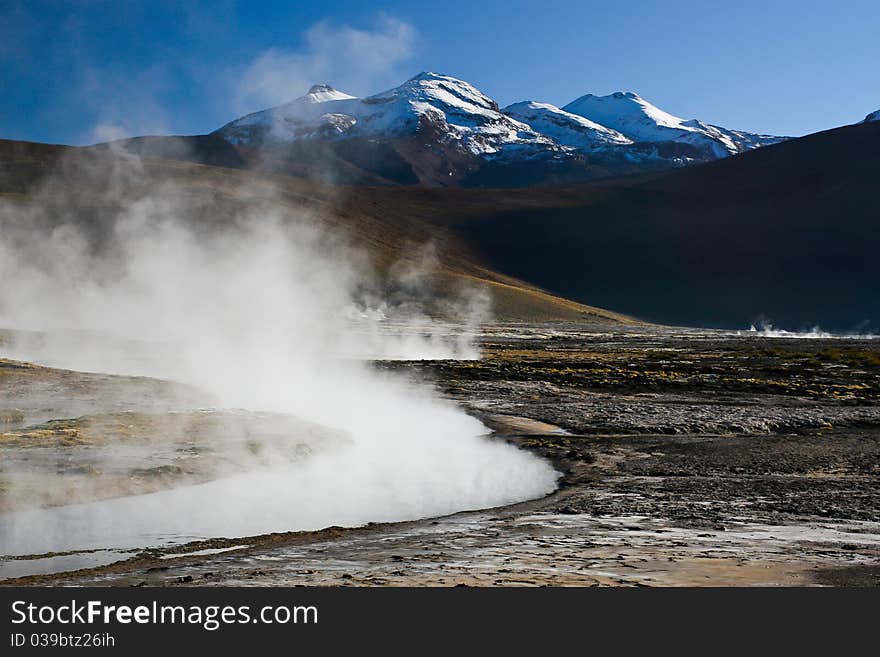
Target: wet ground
[(688, 458)]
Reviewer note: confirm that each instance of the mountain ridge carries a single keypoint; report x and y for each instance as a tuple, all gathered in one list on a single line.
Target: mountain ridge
[(440, 131), (640, 120)]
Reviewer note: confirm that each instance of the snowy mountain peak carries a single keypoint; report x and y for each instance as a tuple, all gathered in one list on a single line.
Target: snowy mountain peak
[(431, 87), (452, 108), (431, 76), (628, 113), (428, 75), (873, 116), (321, 93), (641, 121)]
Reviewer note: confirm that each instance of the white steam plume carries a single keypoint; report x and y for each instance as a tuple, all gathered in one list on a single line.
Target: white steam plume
[(351, 59), (256, 311)]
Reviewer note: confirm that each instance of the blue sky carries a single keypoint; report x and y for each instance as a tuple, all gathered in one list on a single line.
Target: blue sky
[(77, 72)]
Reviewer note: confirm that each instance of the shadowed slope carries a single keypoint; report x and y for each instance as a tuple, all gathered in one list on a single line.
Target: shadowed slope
[(788, 232)]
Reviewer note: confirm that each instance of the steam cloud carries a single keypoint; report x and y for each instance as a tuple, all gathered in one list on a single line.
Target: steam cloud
[(132, 100), (264, 311), (349, 58), (767, 330)]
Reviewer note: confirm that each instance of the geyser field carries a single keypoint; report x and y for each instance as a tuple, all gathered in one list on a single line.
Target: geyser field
[(273, 418), (216, 377), (687, 457)]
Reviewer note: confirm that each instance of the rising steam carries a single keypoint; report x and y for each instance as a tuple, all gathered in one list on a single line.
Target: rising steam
[(263, 311), (767, 330)]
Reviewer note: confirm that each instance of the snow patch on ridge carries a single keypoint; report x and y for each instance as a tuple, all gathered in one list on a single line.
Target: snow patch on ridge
[(564, 127), (638, 119)]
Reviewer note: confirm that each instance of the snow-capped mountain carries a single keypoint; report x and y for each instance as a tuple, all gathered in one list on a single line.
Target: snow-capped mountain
[(873, 116), (640, 121), (450, 109), (436, 129), (304, 117)]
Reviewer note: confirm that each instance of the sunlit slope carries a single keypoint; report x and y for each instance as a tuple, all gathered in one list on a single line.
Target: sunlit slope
[(90, 185)]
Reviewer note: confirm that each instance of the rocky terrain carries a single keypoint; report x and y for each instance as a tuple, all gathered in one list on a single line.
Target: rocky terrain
[(688, 458)]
